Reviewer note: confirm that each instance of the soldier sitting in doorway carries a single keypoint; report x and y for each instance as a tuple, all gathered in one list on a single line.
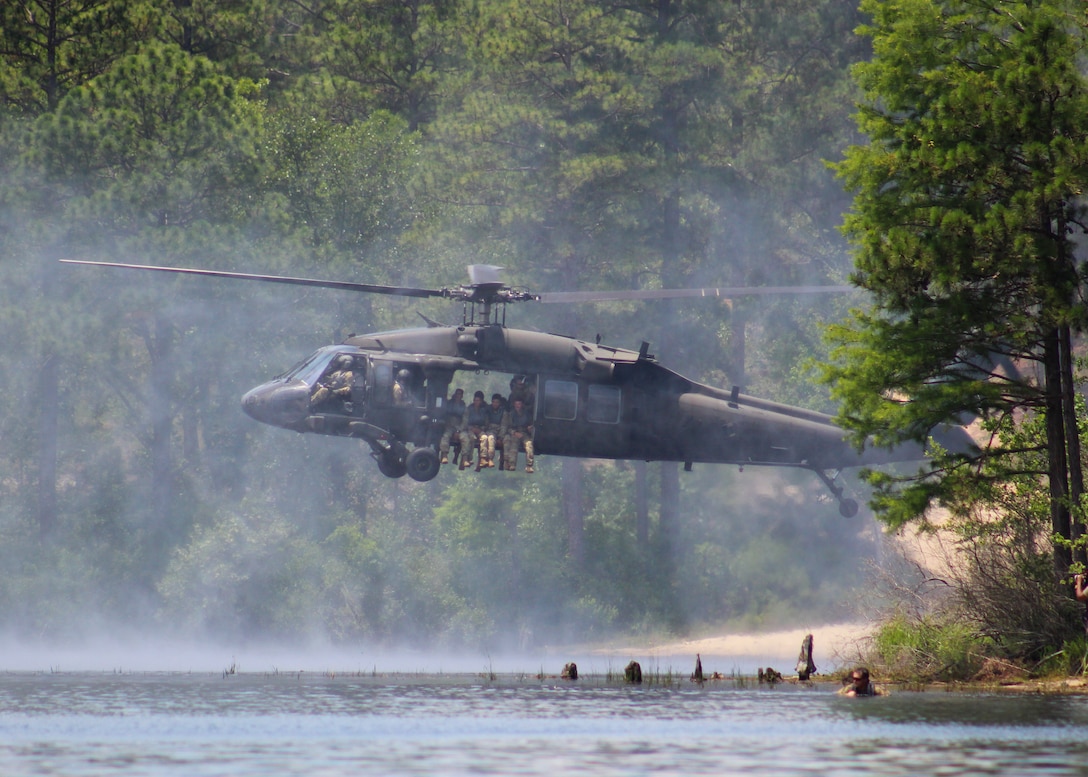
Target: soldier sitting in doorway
[(451, 435), (472, 428), (520, 388), (494, 430), (519, 436)]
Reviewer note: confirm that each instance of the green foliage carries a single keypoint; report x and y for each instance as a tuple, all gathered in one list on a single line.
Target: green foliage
[(49, 49), (155, 143), (1000, 578), (926, 650), (1071, 660), (247, 575), (579, 146), (966, 197)]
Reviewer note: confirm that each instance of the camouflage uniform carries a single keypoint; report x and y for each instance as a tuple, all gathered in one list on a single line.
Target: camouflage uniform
[(402, 393), (455, 412), (519, 435), (495, 429), (472, 427), (521, 389), (335, 385)]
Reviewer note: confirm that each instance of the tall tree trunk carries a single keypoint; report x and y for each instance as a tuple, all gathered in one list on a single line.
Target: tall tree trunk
[(1056, 450), (642, 506), (574, 510), (52, 46), (184, 8), (190, 434), (1072, 441), (737, 349), (669, 519), (160, 346), (48, 397), (48, 388)]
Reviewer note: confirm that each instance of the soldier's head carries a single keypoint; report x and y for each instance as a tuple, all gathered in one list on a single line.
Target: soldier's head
[(518, 404), (343, 362), (478, 398), (458, 393), (859, 678), (404, 376), (496, 400)]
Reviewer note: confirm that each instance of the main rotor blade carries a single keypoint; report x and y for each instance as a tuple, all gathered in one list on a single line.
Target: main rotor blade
[(396, 291), (724, 292)]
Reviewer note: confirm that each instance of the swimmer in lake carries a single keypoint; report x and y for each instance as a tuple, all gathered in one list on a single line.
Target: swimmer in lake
[(860, 684)]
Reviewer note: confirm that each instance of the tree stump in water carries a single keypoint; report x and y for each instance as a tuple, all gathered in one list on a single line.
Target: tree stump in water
[(697, 676), (805, 667), (769, 676), (633, 672), (570, 671)]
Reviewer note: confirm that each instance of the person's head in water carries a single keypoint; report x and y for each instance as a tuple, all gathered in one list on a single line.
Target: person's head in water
[(859, 682)]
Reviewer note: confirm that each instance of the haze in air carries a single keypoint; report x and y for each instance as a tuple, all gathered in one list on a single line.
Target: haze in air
[(588, 151)]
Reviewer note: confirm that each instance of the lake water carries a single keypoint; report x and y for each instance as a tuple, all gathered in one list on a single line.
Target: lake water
[(303, 723)]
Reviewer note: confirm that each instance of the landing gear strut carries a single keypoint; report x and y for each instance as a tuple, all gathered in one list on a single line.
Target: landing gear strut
[(390, 466), (848, 508)]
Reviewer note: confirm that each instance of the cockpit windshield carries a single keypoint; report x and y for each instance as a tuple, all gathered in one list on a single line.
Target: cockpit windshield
[(311, 368)]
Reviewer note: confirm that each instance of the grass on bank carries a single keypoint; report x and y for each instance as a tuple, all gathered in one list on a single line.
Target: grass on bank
[(926, 650)]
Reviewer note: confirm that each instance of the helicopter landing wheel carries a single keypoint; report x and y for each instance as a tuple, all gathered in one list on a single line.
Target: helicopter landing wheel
[(422, 464), (391, 466), (848, 508)]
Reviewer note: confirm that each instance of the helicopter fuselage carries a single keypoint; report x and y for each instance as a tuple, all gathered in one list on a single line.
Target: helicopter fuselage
[(591, 400)]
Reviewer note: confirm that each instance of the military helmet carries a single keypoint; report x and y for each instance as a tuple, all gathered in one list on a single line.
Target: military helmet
[(403, 375), (343, 361)]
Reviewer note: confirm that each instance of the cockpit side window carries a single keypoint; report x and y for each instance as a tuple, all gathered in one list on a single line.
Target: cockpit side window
[(304, 365), (312, 368)]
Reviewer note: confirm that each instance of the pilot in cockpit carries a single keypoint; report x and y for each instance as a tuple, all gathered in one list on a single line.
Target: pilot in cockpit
[(335, 385)]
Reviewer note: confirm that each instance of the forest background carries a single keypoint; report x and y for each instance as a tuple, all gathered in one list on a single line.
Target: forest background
[(579, 145)]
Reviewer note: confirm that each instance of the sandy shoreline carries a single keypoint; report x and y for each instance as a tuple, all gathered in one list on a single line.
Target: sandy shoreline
[(833, 645)]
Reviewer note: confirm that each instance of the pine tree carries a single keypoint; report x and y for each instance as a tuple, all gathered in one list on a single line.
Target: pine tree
[(967, 198)]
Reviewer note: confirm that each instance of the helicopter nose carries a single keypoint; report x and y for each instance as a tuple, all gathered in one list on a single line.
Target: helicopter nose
[(278, 404)]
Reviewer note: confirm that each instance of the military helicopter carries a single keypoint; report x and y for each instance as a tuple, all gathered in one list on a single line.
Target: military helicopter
[(590, 400)]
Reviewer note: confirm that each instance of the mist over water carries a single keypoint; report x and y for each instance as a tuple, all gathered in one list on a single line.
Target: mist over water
[(142, 652)]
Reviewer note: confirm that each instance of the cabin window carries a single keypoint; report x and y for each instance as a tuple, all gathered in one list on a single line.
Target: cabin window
[(383, 381), (560, 400), (603, 406)]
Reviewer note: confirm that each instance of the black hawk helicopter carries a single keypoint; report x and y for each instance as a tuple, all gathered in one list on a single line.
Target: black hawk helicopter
[(590, 400)]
